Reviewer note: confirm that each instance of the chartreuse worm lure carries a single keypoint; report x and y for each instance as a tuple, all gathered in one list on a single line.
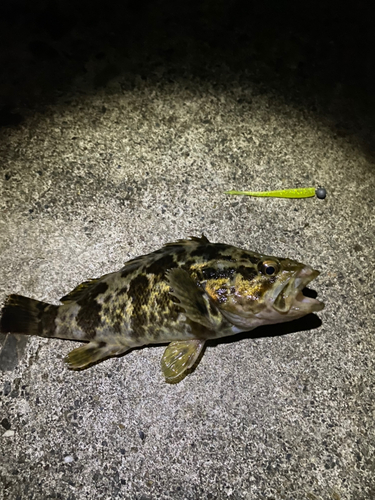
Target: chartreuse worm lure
[(285, 193)]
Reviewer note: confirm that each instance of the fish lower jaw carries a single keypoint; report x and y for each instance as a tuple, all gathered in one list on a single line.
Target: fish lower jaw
[(301, 302)]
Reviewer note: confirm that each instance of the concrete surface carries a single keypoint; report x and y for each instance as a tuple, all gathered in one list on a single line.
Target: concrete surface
[(105, 168)]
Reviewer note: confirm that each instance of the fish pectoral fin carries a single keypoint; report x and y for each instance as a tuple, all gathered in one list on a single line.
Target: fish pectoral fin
[(179, 356), (193, 299), (90, 353)]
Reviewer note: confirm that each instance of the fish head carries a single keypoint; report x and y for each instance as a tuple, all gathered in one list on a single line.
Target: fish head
[(258, 290)]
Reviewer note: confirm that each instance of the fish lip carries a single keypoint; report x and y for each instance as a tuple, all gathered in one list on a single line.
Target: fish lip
[(291, 298), (304, 277), (300, 301)]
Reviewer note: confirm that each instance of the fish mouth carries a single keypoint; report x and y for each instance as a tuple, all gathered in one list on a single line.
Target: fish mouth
[(291, 297)]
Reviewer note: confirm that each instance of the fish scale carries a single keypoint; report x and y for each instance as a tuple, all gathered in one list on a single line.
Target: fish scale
[(182, 294)]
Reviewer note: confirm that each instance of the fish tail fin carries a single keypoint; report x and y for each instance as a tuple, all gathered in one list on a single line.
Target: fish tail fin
[(28, 316), (91, 353)]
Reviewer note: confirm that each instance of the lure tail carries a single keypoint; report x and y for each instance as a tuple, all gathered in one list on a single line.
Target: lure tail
[(28, 316)]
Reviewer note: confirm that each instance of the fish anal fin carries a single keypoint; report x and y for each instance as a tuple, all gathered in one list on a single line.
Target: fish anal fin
[(91, 353), (179, 356)]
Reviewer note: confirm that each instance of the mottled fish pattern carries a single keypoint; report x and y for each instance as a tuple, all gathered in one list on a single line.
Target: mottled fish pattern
[(183, 294)]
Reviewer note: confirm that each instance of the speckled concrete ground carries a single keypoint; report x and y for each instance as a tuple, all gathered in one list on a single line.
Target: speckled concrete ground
[(117, 163)]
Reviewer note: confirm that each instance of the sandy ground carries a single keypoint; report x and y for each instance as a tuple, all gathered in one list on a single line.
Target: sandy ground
[(114, 166)]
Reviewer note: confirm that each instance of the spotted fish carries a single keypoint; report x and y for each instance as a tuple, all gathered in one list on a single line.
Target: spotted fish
[(183, 294)]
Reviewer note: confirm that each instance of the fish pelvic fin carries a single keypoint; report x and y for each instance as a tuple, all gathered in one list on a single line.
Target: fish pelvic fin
[(178, 357), (28, 316), (91, 353)]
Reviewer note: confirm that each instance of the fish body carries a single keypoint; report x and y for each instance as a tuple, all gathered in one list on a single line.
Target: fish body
[(183, 294)]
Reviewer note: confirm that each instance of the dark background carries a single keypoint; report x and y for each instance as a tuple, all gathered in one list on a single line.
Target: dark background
[(319, 56)]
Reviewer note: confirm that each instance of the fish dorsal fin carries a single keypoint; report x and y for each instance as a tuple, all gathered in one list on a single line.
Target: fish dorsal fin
[(79, 291), (173, 248), (179, 356), (202, 240)]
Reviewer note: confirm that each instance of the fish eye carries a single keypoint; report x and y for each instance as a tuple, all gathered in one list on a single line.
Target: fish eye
[(269, 267)]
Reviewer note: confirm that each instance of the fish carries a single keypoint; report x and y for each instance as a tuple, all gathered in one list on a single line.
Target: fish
[(183, 294)]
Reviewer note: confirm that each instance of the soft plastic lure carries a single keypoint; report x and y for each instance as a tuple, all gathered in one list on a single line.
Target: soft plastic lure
[(285, 193)]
